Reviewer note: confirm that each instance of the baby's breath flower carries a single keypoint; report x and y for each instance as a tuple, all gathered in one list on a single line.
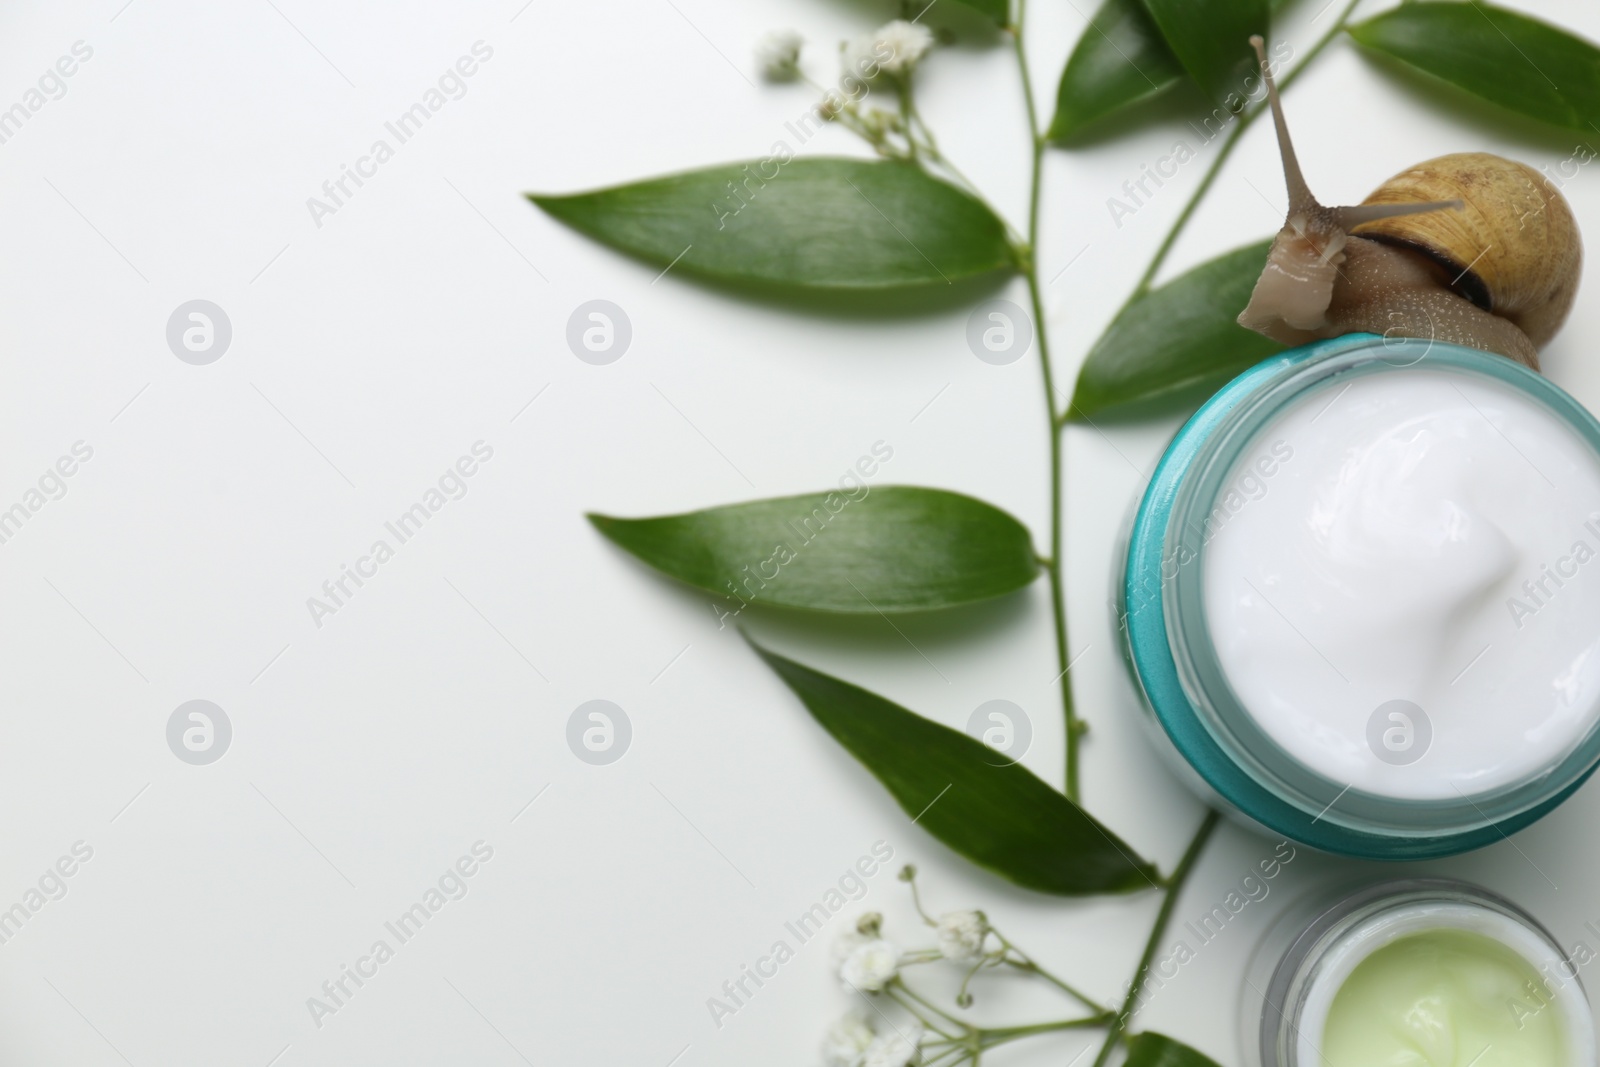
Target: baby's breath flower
[(962, 934), (865, 930), (870, 966), (847, 1040), (894, 1050), (900, 45), (778, 53), (860, 62), (846, 944)]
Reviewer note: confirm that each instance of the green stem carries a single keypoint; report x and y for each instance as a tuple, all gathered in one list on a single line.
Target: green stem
[(916, 895), (1239, 127), (1000, 1035), (909, 1005), (901, 986), (903, 91), (930, 147), (950, 1057), (1053, 566), (1027, 964), (1174, 887)]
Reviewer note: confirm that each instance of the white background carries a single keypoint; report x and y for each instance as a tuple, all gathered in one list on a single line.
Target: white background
[(372, 351)]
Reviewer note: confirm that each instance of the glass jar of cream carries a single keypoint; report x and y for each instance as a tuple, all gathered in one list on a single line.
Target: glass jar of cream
[(1423, 972), (1361, 597)]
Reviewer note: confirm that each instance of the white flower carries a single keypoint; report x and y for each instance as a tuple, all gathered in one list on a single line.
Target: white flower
[(866, 929), (893, 1050), (846, 943), (893, 48), (907, 43), (847, 1040), (870, 966), (961, 934), (778, 53)]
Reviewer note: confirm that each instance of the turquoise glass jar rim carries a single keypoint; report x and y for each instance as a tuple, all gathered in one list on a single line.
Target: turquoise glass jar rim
[(1207, 726)]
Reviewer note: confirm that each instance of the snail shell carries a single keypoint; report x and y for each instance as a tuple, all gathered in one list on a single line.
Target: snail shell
[(1513, 247), (1469, 248)]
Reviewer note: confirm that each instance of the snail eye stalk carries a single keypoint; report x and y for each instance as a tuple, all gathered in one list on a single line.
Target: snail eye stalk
[(1301, 200)]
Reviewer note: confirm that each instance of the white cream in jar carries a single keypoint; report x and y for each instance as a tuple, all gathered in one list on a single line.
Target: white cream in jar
[(1402, 583)]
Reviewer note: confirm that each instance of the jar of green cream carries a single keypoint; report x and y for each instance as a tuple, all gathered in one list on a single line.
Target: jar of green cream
[(1421, 973)]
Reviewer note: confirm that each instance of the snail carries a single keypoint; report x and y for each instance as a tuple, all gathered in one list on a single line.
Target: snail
[(1470, 248)]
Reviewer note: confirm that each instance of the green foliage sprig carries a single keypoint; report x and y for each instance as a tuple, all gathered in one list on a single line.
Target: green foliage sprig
[(910, 222)]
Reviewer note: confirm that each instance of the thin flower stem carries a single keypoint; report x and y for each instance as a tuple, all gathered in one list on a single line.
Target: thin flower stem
[(1239, 127), (902, 88), (930, 146), (1174, 887), (958, 1052), (894, 992), (1058, 595), (914, 995), (1025, 962), (963, 998), (1031, 967), (1000, 1035), (916, 898)]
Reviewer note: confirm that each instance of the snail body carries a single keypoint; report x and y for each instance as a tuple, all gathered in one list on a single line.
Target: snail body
[(1470, 248)]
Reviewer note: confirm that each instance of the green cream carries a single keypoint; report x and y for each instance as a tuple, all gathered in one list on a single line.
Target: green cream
[(1442, 998)]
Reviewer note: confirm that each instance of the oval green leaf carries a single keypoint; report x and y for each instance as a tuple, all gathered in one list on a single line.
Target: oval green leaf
[(800, 225), (1177, 340), (1501, 56), (994, 813), (1119, 60), (1151, 1049), (858, 551), (1211, 38)]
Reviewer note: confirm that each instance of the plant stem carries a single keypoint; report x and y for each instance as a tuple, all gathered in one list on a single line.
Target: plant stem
[(895, 992), (930, 148), (948, 1057), (1000, 1035), (1241, 124), (1174, 887), (926, 1003), (1025, 962), (1031, 967), (1053, 564)]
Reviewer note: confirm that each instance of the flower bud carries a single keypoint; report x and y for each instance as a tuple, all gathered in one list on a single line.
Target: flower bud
[(778, 53), (962, 934)]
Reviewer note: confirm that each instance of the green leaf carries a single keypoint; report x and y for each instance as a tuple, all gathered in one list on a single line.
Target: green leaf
[(1506, 58), (1119, 60), (996, 814), (858, 551), (1150, 1049), (1176, 340), (997, 10), (801, 225), (1211, 38)]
